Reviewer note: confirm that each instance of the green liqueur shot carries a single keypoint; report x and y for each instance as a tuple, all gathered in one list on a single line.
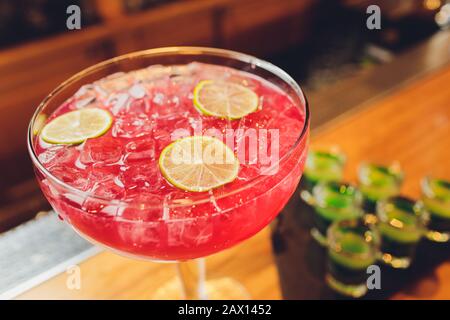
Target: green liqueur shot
[(332, 201), (436, 200), (352, 248), (323, 166), (401, 223), (378, 182)]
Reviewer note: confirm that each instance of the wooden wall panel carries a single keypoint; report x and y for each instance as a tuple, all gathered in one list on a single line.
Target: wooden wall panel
[(190, 27), (266, 26), (30, 72)]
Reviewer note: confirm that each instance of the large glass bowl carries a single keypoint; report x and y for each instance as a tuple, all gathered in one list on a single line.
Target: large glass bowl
[(233, 216)]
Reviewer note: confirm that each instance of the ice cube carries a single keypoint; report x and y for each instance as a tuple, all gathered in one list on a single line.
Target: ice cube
[(79, 164), (48, 156), (118, 103), (111, 210), (105, 181), (189, 232), (148, 235), (162, 138), (119, 81), (103, 149), (85, 102), (108, 189), (159, 98), (84, 96), (143, 207), (140, 150), (139, 107), (244, 80), (93, 205), (289, 131), (75, 177), (137, 91), (152, 73), (132, 126), (142, 177), (58, 155), (262, 119)]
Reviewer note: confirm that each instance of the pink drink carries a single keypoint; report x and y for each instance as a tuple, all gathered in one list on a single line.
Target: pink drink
[(119, 197)]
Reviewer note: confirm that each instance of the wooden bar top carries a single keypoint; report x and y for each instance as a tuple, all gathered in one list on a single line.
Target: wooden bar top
[(411, 125)]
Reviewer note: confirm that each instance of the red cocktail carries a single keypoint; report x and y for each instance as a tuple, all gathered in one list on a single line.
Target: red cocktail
[(111, 187)]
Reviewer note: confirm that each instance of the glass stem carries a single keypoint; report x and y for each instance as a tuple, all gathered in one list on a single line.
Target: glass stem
[(192, 275)]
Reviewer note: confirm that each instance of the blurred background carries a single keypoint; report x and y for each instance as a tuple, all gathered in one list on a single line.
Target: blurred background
[(324, 44)]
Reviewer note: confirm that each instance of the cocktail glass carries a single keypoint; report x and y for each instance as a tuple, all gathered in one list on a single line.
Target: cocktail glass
[(332, 201), (436, 201), (401, 223), (243, 211), (378, 182), (352, 247)]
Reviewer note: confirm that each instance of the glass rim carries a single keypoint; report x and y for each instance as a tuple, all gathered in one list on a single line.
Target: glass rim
[(417, 211), (352, 223), (319, 188), (427, 189), (393, 170), (333, 151), (181, 50)]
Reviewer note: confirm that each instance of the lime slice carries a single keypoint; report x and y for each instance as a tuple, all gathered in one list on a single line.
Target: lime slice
[(198, 163), (224, 99), (39, 123), (77, 126)]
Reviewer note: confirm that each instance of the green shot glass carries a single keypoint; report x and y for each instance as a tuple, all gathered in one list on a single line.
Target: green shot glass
[(436, 201), (378, 182), (401, 223), (323, 166), (332, 201), (352, 247)]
